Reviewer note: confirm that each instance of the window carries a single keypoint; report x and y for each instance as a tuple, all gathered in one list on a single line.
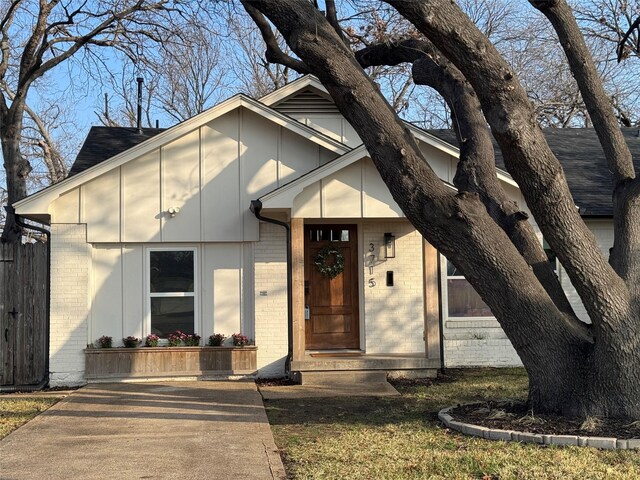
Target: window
[(319, 234), (462, 299), (171, 291)]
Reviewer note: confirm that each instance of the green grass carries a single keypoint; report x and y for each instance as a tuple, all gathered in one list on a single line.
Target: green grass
[(16, 411), (401, 437)]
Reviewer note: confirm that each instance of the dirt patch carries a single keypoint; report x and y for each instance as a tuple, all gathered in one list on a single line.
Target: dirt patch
[(516, 416)]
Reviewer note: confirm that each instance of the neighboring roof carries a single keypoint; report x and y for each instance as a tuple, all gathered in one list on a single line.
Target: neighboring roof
[(582, 159), (106, 142)]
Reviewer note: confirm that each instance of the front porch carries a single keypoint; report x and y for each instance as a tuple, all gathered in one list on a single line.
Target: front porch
[(399, 327), (338, 367)]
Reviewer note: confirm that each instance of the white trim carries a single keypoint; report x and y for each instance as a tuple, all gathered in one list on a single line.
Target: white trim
[(289, 191), (292, 88), (444, 297), (284, 196), (148, 295), (428, 138), (40, 201)]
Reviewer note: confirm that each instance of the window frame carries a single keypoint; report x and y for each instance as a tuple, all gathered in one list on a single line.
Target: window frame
[(445, 293), (149, 294)]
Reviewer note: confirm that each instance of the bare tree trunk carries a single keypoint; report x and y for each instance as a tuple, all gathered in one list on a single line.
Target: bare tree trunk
[(16, 169), (568, 372)]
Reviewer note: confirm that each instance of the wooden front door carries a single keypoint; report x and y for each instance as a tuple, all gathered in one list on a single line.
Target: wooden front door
[(331, 318)]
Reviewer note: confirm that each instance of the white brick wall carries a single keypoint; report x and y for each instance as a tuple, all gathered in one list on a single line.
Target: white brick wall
[(394, 316), (70, 264), (477, 343), (270, 257)]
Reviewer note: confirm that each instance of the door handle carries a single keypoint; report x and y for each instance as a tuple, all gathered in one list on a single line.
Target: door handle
[(6, 334)]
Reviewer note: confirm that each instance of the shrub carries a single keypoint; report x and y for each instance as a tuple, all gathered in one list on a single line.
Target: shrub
[(131, 342), (105, 341), (216, 339)]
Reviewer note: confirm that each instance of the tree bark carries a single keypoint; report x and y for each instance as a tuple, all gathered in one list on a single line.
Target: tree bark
[(568, 372), (17, 168)]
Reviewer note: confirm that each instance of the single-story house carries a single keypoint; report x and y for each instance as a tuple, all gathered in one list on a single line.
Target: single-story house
[(267, 218)]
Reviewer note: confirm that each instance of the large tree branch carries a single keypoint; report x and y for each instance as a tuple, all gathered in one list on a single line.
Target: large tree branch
[(458, 225), (274, 53), (476, 171), (605, 123), (5, 24), (527, 155), (332, 17), (595, 98)]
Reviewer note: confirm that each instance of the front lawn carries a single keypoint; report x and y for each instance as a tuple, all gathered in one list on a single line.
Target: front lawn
[(18, 410), (401, 437)]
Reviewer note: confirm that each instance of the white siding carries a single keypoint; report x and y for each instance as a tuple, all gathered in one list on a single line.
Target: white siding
[(119, 306), (141, 200), (67, 208), (106, 305), (180, 162), (210, 174), (355, 191), (100, 207)]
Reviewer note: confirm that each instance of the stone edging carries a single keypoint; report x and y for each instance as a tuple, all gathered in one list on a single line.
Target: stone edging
[(541, 439)]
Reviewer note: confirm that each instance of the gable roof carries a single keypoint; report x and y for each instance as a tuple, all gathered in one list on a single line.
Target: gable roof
[(95, 164), (106, 142), (582, 159)]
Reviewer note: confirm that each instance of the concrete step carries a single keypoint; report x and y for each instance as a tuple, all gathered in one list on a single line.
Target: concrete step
[(342, 377)]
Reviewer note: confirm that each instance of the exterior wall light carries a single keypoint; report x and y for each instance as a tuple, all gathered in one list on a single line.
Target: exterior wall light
[(173, 211), (389, 245)]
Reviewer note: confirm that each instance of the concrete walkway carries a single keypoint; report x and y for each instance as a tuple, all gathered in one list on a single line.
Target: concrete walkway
[(216, 430)]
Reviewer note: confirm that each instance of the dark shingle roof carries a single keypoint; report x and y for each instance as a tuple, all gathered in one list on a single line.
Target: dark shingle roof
[(105, 142), (583, 162)]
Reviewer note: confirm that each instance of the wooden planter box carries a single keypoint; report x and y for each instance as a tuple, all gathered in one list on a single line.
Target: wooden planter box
[(150, 362)]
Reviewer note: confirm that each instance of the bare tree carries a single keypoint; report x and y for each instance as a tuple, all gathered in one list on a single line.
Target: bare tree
[(192, 76), (35, 37), (573, 367), (254, 74)]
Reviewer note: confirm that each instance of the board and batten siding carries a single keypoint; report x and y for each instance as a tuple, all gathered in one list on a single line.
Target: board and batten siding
[(210, 174), (119, 284)]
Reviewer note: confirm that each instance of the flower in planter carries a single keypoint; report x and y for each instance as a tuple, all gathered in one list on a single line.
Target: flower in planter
[(239, 340), (131, 342), (191, 340), (216, 339), (152, 340), (175, 338), (105, 341)]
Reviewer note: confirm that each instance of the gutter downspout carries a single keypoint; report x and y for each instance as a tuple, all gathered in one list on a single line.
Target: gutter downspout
[(256, 207), (45, 380)]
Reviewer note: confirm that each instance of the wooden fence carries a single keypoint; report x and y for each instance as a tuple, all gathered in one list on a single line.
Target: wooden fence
[(23, 312)]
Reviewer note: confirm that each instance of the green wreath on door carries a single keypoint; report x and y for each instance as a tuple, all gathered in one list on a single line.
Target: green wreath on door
[(326, 269)]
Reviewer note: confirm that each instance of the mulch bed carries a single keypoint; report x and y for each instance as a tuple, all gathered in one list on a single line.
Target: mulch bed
[(516, 416), (274, 382)]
